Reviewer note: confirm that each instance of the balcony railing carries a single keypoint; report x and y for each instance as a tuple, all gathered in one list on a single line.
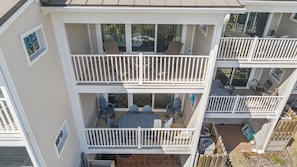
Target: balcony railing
[(263, 105), (140, 69), (139, 138), (7, 122), (257, 49)]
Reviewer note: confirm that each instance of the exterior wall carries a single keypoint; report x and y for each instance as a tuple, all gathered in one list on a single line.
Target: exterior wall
[(188, 110), (89, 109), (202, 43), (41, 88), (266, 76), (78, 38), (287, 27)]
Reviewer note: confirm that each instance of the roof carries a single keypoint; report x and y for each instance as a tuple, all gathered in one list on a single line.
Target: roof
[(146, 3), (8, 8)]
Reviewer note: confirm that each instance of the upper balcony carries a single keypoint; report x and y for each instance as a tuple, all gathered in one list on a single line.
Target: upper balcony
[(253, 49), (142, 55), (140, 69), (259, 39)]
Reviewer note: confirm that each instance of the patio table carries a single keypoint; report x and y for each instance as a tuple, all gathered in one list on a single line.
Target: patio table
[(140, 120)]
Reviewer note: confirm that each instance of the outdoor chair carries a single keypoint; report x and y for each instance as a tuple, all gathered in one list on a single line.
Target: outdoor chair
[(174, 108), (147, 109), (259, 88), (111, 47), (174, 48), (133, 109), (106, 109), (111, 123), (265, 87), (168, 123)]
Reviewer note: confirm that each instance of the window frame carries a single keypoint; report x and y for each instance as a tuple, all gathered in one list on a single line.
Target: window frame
[(41, 41), (275, 76), (59, 147)]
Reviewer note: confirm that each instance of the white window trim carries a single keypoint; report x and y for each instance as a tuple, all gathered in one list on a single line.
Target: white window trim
[(64, 140), (292, 17), (42, 42), (278, 79)]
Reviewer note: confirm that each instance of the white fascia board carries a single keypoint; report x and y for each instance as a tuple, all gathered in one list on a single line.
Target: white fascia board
[(140, 10), (12, 18), (271, 6)]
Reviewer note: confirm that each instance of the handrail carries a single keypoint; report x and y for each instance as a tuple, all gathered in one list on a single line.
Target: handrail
[(140, 69), (243, 104), (139, 137), (257, 49)]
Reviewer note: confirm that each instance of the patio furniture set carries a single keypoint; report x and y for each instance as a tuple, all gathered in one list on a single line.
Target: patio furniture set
[(134, 118)]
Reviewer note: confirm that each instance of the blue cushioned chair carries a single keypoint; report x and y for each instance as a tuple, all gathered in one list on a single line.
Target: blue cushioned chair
[(106, 109), (174, 108)]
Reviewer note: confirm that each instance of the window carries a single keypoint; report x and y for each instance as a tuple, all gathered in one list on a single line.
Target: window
[(142, 99), (167, 33), (114, 32), (120, 100), (162, 100), (277, 74), (34, 43), (235, 76), (294, 17), (61, 138), (252, 24), (143, 37)]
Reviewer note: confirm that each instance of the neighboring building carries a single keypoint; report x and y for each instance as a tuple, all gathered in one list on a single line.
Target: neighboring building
[(237, 65)]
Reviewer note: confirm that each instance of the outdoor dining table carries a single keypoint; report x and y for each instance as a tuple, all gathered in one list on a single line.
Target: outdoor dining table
[(140, 120)]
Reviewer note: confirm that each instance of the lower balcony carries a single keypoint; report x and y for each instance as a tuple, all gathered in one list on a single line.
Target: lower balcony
[(227, 101), (165, 139), (139, 69), (103, 138), (242, 106)]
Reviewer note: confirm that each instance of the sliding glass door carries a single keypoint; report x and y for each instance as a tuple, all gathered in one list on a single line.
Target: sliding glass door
[(157, 101), (114, 32), (144, 37), (238, 77), (252, 24)]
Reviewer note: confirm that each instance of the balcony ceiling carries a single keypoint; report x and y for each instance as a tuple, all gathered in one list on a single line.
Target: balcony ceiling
[(146, 3)]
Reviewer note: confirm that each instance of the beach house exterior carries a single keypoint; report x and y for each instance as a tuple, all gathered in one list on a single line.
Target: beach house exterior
[(228, 62)]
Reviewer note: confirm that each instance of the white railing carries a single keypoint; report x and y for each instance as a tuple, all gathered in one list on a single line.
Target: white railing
[(140, 69), (258, 49), (243, 104), (139, 137), (7, 123)]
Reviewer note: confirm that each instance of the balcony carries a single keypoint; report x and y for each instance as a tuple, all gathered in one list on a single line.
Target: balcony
[(139, 69), (250, 49), (8, 127), (243, 106), (179, 139)]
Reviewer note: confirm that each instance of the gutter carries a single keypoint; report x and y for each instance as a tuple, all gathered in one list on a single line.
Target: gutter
[(130, 9)]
